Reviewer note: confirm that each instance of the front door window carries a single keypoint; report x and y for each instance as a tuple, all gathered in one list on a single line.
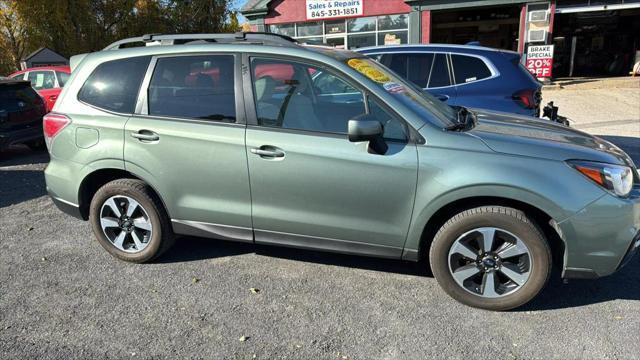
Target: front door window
[(300, 96)]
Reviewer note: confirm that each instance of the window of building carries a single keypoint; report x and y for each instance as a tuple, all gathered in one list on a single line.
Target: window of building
[(283, 29), (114, 85), (469, 68), (393, 22), (198, 87), (361, 40), (314, 40), (334, 27), (310, 28), (357, 32), (361, 24), (393, 37)]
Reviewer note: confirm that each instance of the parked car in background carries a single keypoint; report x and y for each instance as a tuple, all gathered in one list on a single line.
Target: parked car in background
[(21, 112), (256, 138), (47, 80), (472, 76)]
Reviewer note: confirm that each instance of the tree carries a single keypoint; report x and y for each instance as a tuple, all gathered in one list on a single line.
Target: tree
[(196, 16), (14, 37), (79, 26)]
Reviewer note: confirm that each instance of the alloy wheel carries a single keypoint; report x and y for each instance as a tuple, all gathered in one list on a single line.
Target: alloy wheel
[(490, 262), (125, 223)]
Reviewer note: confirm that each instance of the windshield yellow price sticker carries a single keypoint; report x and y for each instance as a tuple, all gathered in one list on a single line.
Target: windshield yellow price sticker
[(369, 71)]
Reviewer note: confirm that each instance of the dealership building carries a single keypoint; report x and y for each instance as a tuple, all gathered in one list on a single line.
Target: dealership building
[(589, 37)]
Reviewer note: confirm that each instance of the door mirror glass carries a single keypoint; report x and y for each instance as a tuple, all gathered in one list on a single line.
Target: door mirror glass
[(366, 128)]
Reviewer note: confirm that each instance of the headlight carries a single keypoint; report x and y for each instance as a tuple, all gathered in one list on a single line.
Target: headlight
[(615, 178)]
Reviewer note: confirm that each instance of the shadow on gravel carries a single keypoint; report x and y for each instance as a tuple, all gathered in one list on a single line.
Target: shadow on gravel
[(622, 285), (17, 186), (194, 249), (556, 295), (22, 155), (630, 145)]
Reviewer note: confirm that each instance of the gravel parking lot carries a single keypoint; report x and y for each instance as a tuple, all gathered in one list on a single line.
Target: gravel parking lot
[(62, 296)]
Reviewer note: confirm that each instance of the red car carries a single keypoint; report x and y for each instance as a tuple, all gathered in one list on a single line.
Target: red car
[(48, 81)]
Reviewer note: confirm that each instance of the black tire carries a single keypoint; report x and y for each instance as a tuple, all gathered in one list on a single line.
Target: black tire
[(162, 236), (509, 219)]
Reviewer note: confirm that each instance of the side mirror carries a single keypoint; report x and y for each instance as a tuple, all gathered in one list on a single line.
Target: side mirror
[(366, 128)]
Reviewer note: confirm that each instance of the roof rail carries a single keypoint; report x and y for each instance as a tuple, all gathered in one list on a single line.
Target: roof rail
[(178, 39)]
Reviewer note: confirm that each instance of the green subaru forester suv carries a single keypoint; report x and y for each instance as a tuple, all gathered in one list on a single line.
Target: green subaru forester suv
[(257, 138)]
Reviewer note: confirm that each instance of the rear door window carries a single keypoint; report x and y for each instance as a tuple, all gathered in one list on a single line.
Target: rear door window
[(439, 75), (197, 87), (42, 80), (114, 85), (414, 67), (469, 69), (18, 97)]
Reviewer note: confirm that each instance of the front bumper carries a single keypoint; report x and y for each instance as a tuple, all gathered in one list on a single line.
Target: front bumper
[(602, 237)]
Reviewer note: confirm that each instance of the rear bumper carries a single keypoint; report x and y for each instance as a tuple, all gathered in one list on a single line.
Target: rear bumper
[(601, 238), (62, 179), (8, 138), (66, 207)]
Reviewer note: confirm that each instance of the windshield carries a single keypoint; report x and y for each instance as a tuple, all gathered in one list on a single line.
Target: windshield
[(423, 103)]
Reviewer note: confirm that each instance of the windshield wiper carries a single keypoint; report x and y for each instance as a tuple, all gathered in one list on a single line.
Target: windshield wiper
[(462, 120)]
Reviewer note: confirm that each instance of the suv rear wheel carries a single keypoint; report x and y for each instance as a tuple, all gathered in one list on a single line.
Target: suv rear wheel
[(491, 257), (129, 221)]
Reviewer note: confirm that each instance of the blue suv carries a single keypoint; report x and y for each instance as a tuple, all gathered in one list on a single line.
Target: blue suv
[(466, 75)]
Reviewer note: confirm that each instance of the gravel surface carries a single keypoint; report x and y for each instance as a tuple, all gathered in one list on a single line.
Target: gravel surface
[(62, 296)]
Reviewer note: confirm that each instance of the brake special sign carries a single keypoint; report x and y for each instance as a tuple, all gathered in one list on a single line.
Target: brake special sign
[(540, 60), (327, 9)]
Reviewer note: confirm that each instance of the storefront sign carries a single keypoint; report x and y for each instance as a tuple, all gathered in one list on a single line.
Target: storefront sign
[(327, 9), (540, 60), (391, 39)]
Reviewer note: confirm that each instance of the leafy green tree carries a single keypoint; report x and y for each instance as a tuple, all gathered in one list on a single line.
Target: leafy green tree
[(72, 27), (14, 37)]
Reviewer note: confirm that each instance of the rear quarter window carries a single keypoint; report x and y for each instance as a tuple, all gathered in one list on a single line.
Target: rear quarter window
[(63, 77), (469, 69), (114, 85)]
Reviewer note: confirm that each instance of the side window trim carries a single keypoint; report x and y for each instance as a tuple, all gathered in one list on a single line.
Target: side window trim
[(494, 71), (452, 74), (433, 61), (251, 115), (142, 102)]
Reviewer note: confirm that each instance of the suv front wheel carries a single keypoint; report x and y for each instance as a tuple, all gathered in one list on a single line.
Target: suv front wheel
[(129, 221), (491, 257)]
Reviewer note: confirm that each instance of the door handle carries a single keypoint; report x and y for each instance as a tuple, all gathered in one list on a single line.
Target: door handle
[(442, 97), (268, 152), (145, 135)]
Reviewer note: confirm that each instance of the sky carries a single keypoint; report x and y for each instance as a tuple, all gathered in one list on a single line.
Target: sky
[(237, 6)]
